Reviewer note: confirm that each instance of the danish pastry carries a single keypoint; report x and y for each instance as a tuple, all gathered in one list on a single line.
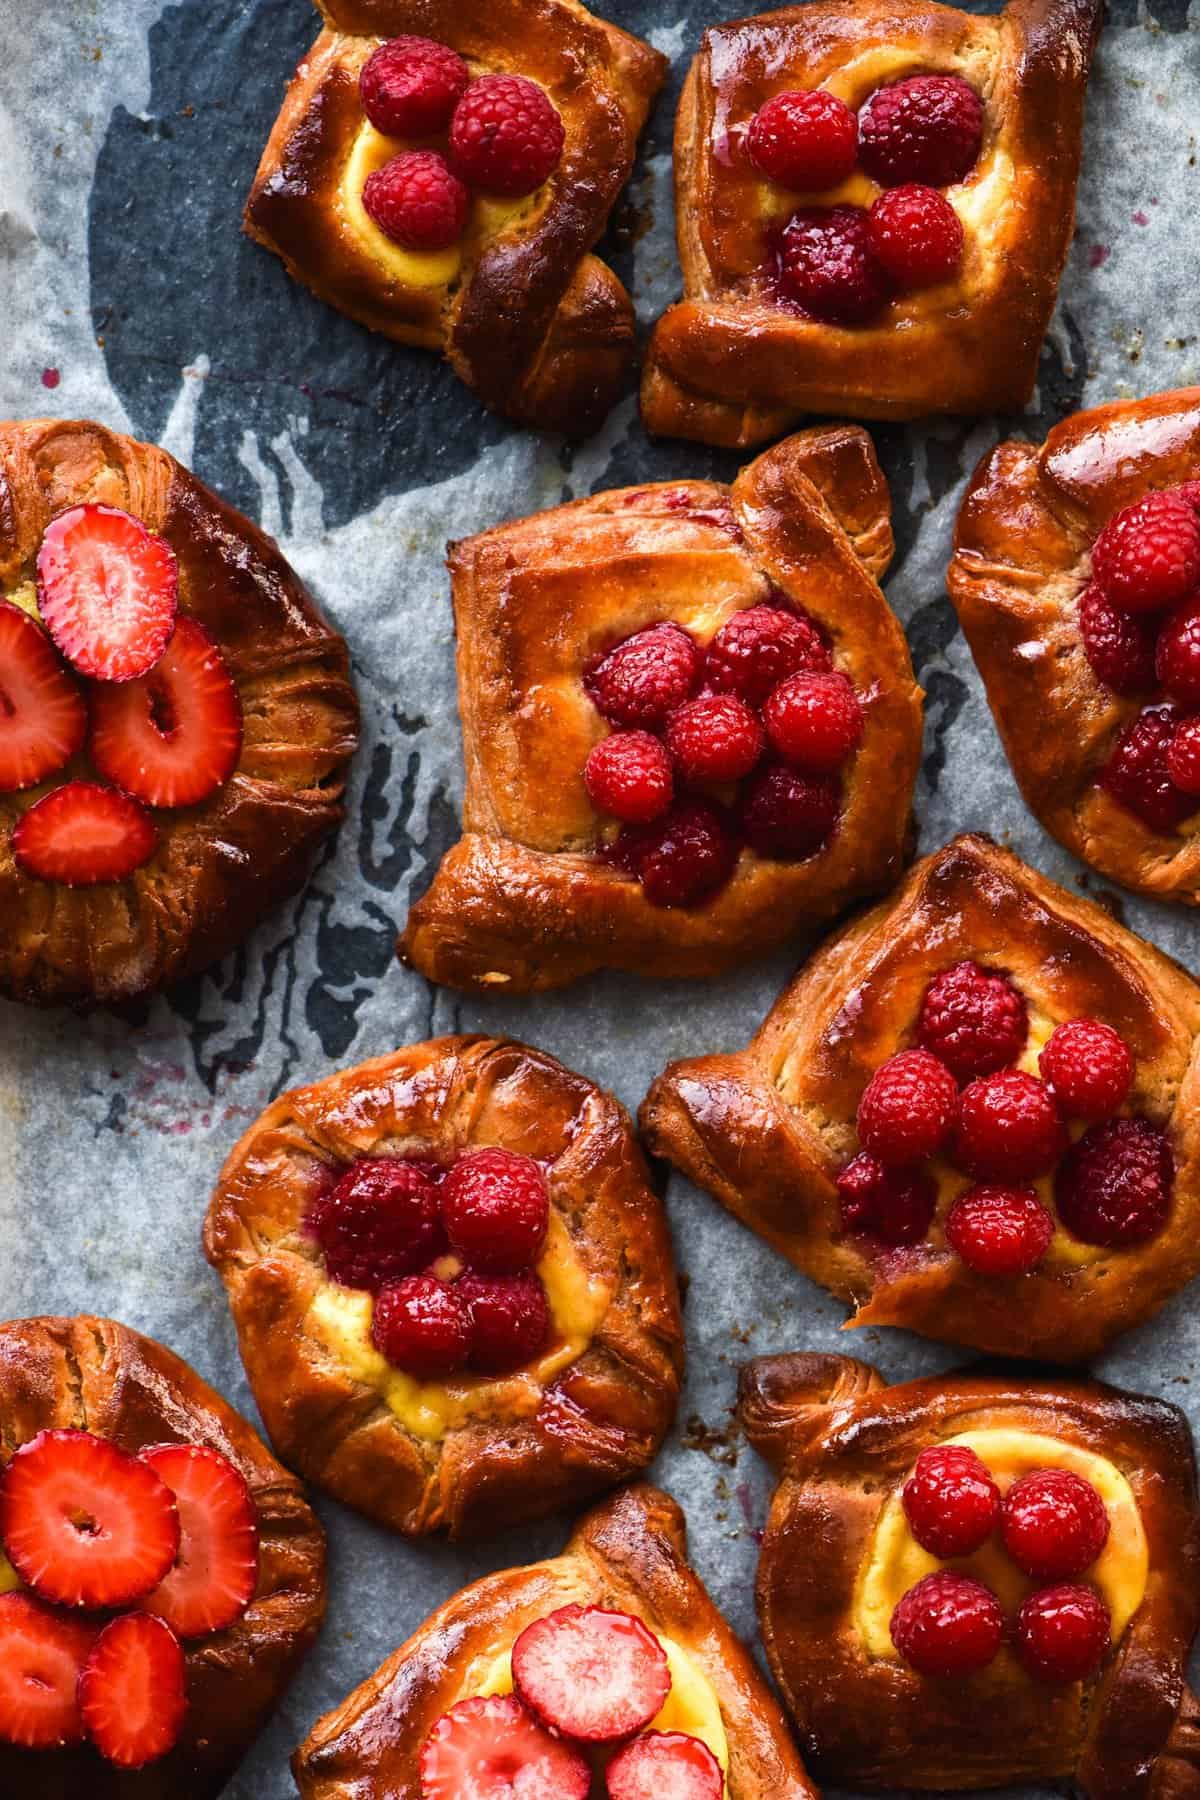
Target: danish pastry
[(453, 1286), (884, 266), (443, 1710), (161, 1577), (690, 724), (1076, 576), (972, 1114), (175, 719), (973, 1580), (446, 189)]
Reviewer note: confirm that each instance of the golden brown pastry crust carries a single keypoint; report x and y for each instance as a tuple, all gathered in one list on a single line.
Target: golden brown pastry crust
[(767, 1129), (841, 1442), (98, 1376), (522, 902), (1022, 560), (631, 1555), (541, 330), (222, 866), (728, 365), (599, 1422)]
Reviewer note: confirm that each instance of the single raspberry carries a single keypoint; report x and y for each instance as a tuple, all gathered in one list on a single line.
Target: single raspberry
[(999, 1231), (715, 738), (1008, 1128), (1114, 1187), (894, 1205), (827, 266), (973, 1019), (496, 1210), (1088, 1067), (916, 236), (1063, 1633), (1183, 757), (411, 85), (682, 858), (416, 201), (908, 1108), (927, 128), (1177, 660), (805, 140), (1138, 774), (640, 681), (422, 1327), (506, 136), (815, 722), (1054, 1524), (1148, 556), (760, 647), (380, 1221), (1118, 645), (628, 776), (948, 1625), (510, 1320), (788, 816), (951, 1502)]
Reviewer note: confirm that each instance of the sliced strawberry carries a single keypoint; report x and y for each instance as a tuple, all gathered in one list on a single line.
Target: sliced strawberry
[(593, 1675), (107, 590), (216, 1571), (42, 1654), (665, 1765), (43, 718), (133, 1691), (493, 1750), (83, 1523), (173, 737), (82, 834)]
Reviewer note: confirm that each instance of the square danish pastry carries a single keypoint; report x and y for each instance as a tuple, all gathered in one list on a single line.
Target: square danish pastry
[(973, 1114), (690, 724), (875, 202), (441, 170)]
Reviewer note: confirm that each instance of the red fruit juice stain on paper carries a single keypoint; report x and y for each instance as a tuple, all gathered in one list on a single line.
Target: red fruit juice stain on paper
[(1141, 218), (50, 378), (1098, 255)]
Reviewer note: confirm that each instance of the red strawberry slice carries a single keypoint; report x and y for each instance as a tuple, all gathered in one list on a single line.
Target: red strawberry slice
[(493, 1750), (593, 1675), (43, 718), (82, 834), (216, 1572), (665, 1766), (173, 737), (83, 1523), (42, 1654), (107, 590), (133, 1691)]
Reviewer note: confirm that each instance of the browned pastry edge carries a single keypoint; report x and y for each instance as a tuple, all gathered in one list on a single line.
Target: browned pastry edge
[(94, 1375), (631, 1555), (841, 1441)]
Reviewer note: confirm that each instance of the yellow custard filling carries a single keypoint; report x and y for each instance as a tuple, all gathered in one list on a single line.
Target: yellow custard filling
[(895, 1561), (10, 1581), (25, 596)]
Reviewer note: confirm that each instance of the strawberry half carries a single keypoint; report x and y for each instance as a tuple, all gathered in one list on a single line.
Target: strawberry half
[(43, 718), (42, 1654), (82, 834), (173, 737), (665, 1766), (133, 1691), (216, 1571), (594, 1675), (84, 1524), (492, 1749), (107, 591)]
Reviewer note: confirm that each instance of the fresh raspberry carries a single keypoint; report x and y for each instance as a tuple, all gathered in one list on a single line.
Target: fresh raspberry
[(788, 816), (593, 1675), (1148, 556), (510, 1320), (927, 128), (643, 679), (1177, 660), (1138, 773), (974, 1020), (916, 236), (416, 201), (1063, 1633), (908, 1108), (682, 858), (1183, 757), (948, 1625), (894, 1205), (760, 647), (1118, 645), (1054, 1524), (629, 776), (506, 136), (806, 140), (1008, 1128), (715, 738), (496, 1210), (827, 266), (1189, 491), (951, 1502), (999, 1231), (422, 1327), (379, 1222), (1088, 1067), (815, 722), (411, 85), (1114, 1187)]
